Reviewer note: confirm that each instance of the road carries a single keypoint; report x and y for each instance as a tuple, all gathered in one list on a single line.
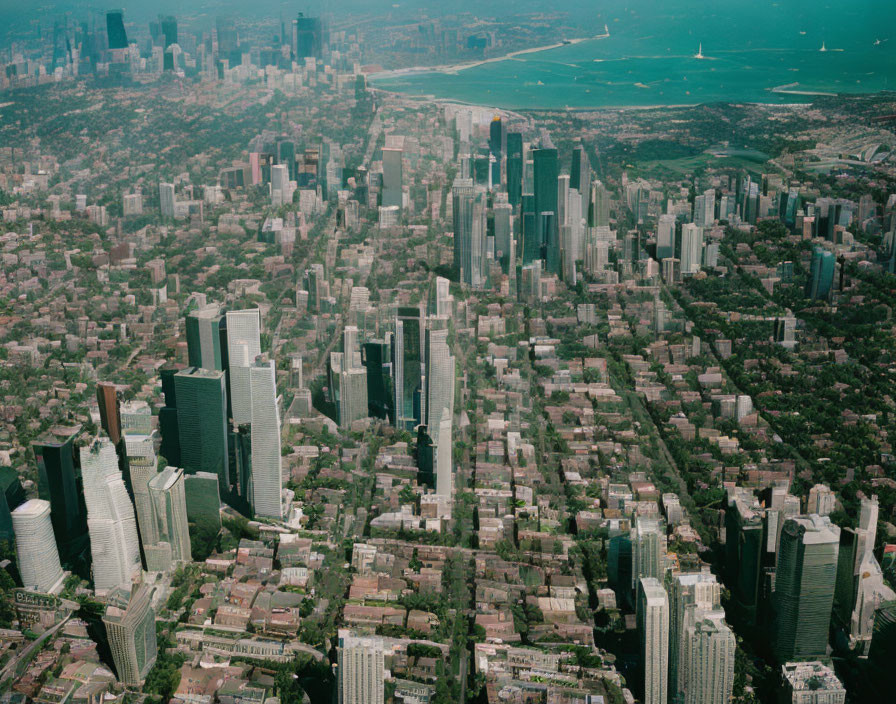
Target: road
[(11, 669)]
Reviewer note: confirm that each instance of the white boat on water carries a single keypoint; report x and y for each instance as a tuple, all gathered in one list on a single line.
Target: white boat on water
[(699, 54), (823, 47)]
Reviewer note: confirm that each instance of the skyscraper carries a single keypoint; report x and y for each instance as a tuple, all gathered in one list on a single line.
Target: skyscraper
[(514, 168), (408, 368), (243, 346), (546, 201), (204, 328), (504, 251), (580, 177), (648, 550), (114, 544), (691, 248), (131, 629), (118, 38), (599, 208), (811, 683), (169, 30), (440, 379), (38, 558), (59, 482), (361, 674), (166, 199), (308, 36), (169, 510), (203, 497), (821, 275), (804, 587), (267, 469), (744, 550), (143, 465), (653, 632), (710, 645), (202, 422), (393, 178), (109, 401), (12, 495), (665, 237), (463, 195), (690, 593)]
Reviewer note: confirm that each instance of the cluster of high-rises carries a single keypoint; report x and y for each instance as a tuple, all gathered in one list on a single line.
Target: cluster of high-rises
[(102, 45)]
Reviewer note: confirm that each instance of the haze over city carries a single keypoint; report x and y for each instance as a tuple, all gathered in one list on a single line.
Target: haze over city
[(400, 353)]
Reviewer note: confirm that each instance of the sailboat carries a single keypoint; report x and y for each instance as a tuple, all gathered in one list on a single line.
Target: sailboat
[(823, 47), (699, 54)]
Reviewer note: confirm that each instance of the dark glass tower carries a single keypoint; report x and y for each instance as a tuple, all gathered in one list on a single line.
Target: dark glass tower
[(309, 37), (12, 495), (408, 368), (821, 275), (118, 38), (202, 422), (59, 482), (169, 31), (546, 177), (514, 167)]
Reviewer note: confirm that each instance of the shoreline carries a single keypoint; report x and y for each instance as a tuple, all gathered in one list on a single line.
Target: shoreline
[(457, 68)]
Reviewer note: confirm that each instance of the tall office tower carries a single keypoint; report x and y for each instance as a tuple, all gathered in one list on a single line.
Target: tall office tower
[(114, 544), (705, 209), (203, 497), (204, 328), (580, 176), (860, 588), (407, 366), (136, 418), (202, 422), (38, 558), (653, 632), (109, 401), (546, 191), (169, 510), (169, 31), (514, 168), (691, 248), (351, 346), (118, 38), (444, 301), (348, 387), (143, 464), (567, 255), (821, 500), (267, 467), (168, 425), (562, 200), (243, 346), (166, 199), (308, 37), (804, 587), (744, 550), (131, 629), (463, 197), (478, 242), (59, 482), (576, 222), (821, 275), (665, 237), (648, 549), (811, 683), (440, 380), (690, 593), (710, 645), (504, 236), (361, 669), (375, 355), (393, 178), (599, 206), (228, 40), (12, 495), (546, 223), (496, 137)]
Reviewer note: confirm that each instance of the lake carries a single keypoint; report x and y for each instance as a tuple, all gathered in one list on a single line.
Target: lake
[(767, 52)]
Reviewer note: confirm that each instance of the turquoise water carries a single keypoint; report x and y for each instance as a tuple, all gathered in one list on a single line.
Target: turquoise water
[(648, 59)]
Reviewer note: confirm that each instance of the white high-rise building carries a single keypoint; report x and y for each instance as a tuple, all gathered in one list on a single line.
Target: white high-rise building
[(38, 556), (111, 523), (440, 376), (665, 237), (690, 594), (131, 628), (710, 645), (243, 346), (648, 549), (691, 248), (822, 501), (143, 464), (267, 468), (653, 632), (443, 456), (169, 509), (361, 675), (167, 199)]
